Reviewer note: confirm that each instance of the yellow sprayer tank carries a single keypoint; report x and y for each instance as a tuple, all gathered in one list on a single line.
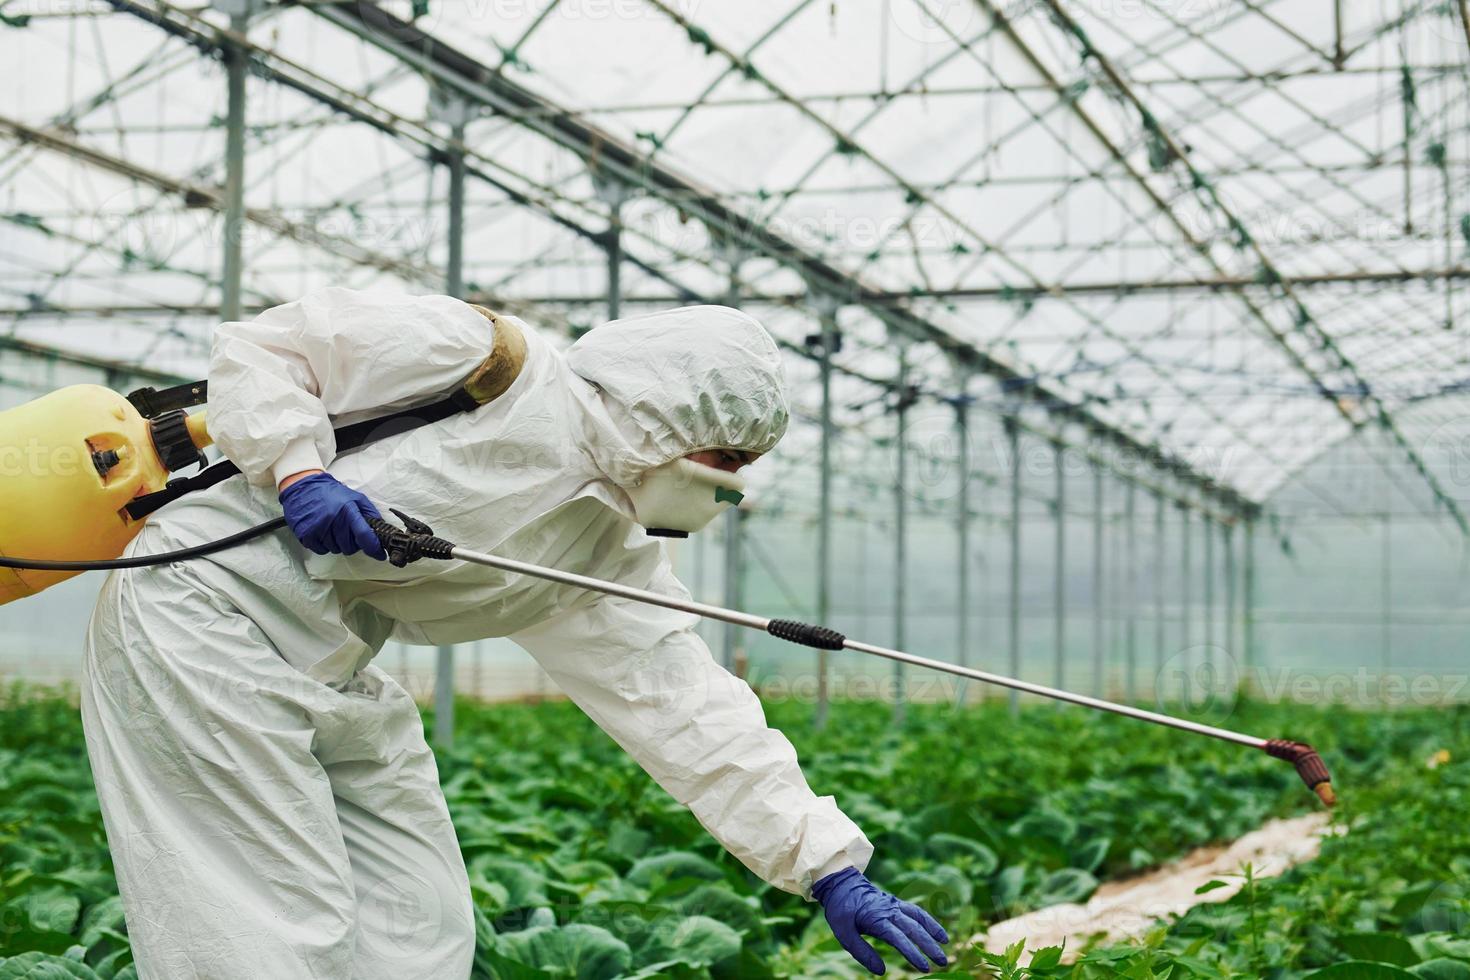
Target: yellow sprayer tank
[(70, 462)]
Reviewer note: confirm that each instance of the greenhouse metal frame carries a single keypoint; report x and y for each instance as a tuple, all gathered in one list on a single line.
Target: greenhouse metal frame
[(1181, 251)]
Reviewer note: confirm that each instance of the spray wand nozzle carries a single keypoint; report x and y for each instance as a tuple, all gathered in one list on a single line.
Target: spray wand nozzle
[(1309, 766)]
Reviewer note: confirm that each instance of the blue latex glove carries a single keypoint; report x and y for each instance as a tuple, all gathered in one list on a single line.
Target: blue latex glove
[(330, 518), (856, 907)]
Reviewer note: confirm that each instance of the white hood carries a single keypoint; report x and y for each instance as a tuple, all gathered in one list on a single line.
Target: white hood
[(676, 382)]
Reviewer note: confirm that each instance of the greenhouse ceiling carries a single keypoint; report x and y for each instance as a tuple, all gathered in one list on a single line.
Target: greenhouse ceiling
[(1221, 233)]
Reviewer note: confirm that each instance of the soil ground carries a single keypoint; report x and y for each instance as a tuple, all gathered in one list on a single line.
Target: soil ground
[(1129, 907)]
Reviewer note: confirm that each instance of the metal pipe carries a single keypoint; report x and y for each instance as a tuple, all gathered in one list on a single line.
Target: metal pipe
[(962, 570), (444, 698), (1405, 96), (734, 556), (1097, 581), (1339, 53), (1448, 271), (234, 191), (1248, 610), (824, 511), (900, 529), (454, 286), (1385, 573), (1059, 671), (615, 260), (1013, 437), (1130, 573), (734, 579), (1232, 593), (898, 656), (454, 277), (1186, 603), (1160, 638), (1209, 595), (701, 545)]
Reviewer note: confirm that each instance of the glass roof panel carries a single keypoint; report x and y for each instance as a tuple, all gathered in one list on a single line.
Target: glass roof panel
[(1204, 224)]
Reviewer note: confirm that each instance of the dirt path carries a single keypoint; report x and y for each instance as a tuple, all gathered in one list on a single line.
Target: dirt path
[(1128, 908)]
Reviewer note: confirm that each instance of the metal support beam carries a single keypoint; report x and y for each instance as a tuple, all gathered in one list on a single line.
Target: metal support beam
[(828, 340), (199, 195), (1130, 599), (1448, 272), (614, 193), (1314, 351), (454, 274), (962, 533), (900, 533), (1059, 608), (1248, 611), (444, 107), (436, 60), (733, 640), (734, 582), (1207, 527), (1232, 592), (444, 698), (1186, 601), (1013, 442), (1339, 53), (624, 160), (1098, 669), (1160, 557), (1385, 610), (234, 191), (696, 584), (110, 368), (615, 263)]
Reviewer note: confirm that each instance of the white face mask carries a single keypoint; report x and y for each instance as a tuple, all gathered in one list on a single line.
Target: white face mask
[(678, 498)]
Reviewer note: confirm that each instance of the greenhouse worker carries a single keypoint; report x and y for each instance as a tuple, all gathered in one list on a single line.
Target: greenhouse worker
[(271, 805)]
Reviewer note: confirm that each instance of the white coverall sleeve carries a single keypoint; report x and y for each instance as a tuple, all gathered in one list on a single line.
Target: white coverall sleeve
[(645, 677), (277, 382)]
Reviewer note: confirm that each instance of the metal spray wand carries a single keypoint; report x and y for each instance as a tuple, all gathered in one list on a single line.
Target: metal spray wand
[(416, 540)]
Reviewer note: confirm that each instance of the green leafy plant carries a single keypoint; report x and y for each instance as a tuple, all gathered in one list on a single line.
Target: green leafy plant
[(580, 866)]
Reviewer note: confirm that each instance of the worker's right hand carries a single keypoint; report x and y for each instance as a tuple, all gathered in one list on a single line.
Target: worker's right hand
[(329, 518)]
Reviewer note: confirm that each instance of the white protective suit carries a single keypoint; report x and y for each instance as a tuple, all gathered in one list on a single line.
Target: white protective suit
[(271, 805)]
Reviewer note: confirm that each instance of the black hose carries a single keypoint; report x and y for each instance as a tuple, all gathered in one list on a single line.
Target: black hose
[(145, 561)]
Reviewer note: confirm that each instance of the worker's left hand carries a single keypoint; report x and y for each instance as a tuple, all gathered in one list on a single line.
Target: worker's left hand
[(330, 518), (856, 907)]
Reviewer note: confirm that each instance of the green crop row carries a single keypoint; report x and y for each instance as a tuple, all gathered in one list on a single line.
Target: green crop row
[(1387, 899), (582, 867)]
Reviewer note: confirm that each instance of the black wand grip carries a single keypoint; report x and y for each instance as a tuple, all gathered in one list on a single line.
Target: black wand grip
[(806, 634), (411, 542)]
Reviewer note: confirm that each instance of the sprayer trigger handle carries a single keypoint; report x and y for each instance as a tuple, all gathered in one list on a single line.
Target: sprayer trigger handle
[(412, 524), (411, 542)]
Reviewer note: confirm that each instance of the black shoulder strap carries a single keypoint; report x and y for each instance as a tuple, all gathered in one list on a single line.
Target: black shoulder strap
[(349, 437)]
